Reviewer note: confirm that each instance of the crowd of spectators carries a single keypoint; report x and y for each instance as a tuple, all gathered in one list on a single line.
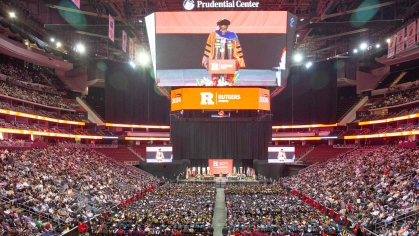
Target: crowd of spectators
[(58, 186), (172, 209), (33, 96), (400, 97), (32, 79), (372, 187), (269, 210)]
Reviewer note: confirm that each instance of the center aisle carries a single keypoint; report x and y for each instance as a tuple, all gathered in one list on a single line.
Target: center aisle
[(220, 212)]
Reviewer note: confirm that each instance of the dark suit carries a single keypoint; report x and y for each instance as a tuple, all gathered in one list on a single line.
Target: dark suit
[(225, 231)]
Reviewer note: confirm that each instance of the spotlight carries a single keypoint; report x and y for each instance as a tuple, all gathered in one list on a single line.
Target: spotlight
[(12, 14), (143, 58), (309, 64), (363, 46), (298, 35), (298, 57), (377, 45), (80, 48), (52, 40), (388, 40), (355, 50), (58, 44), (301, 19), (132, 64)]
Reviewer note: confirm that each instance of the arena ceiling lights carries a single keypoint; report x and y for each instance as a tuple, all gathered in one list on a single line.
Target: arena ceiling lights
[(49, 134), (303, 138), (21, 114), (303, 126), (384, 135), (142, 138), (138, 126), (371, 122)]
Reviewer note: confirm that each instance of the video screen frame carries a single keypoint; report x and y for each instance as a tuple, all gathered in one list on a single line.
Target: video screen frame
[(187, 35), (281, 154), (159, 154)]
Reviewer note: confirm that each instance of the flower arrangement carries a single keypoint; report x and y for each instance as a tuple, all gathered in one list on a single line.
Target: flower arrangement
[(218, 81)]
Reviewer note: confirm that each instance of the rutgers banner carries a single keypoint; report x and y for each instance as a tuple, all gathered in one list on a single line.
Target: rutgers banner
[(411, 34), (392, 46), (111, 30), (124, 41), (220, 166), (77, 3), (131, 49), (220, 99)]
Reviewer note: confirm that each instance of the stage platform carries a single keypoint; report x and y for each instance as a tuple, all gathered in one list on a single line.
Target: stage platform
[(222, 181)]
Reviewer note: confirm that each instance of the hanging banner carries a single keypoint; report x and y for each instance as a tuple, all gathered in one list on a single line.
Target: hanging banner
[(111, 31), (391, 46), (400, 41), (77, 3), (411, 34), (131, 49), (124, 41)]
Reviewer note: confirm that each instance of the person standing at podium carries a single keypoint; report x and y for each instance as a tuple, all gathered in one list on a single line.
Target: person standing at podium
[(223, 44), (281, 156), (159, 155)]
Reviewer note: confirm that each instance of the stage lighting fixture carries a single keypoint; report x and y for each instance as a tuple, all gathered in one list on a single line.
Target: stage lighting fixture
[(12, 14), (298, 57), (58, 44), (143, 58), (80, 48), (132, 64), (52, 40), (377, 45), (298, 35), (363, 46), (388, 40), (309, 64), (355, 50)]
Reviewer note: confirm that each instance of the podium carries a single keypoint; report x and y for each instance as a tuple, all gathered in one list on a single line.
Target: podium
[(222, 66)]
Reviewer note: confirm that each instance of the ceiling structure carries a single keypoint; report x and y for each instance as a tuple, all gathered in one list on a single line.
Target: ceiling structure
[(326, 28)]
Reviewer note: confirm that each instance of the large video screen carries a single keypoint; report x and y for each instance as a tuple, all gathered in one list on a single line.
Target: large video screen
[(183, 44), (279, 154), (159, 154)]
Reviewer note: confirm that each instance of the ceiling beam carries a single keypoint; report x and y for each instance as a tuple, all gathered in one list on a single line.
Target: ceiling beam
[(337, 35), (71, 27), (350, 23), (323, 49), (95, 35), (117, 18), (118, 12), (323, 17), (297, 5)]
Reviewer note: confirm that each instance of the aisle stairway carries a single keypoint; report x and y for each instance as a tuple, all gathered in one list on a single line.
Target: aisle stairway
[(220, 212)]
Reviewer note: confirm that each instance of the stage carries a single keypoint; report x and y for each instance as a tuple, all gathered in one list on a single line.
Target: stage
[(221, 181)]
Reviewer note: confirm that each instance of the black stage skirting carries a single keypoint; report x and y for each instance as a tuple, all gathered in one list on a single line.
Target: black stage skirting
[(229, 182)]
